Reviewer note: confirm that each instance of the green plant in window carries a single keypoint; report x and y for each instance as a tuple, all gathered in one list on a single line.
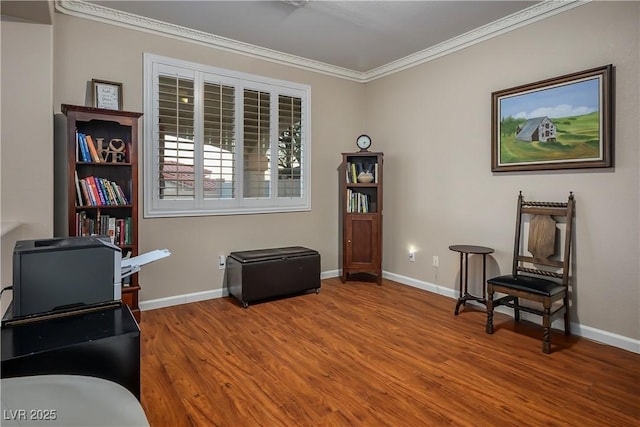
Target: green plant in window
[(290, 151)]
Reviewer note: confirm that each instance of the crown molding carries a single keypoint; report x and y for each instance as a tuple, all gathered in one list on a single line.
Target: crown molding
[(516, 20), (106, 15)]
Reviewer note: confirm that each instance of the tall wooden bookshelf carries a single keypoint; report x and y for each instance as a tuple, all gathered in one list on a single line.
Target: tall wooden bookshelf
[(98, 194), (361, 214)]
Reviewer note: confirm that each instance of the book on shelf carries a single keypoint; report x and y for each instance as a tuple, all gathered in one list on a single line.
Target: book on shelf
[(78, 191), (105, 188), (84, 149), (120, 232), (113, 194), (128, 224), (119, 194), (78, 224), (86, 193), (97, 191), (120, 197), (101, 220), (79, 153), (92, 149), (95, 200), (358, 202), (118, 229), (86, 225), (95, 186), (103, 196), (102, 224), (90, 191), (111, 229), (91, 183)]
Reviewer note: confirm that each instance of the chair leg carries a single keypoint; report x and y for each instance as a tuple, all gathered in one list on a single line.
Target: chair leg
[(567, 322), (489, 301), (546, 341), (516, 309), (546, 323)]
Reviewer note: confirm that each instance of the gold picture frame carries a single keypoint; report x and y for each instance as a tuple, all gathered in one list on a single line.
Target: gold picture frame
[(106, 94)]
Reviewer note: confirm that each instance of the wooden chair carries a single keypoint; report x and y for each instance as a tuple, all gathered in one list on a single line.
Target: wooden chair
[(537, 274)]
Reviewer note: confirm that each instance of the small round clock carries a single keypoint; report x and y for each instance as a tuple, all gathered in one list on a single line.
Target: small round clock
[(363, 142)]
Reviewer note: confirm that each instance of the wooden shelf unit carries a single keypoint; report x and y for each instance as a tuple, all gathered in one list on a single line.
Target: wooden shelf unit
[(105, 127), (361, 215)]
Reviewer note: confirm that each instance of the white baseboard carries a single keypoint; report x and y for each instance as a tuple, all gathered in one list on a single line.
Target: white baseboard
[(329, 274), (425, 286), (605, 337), (594, 334), (182, 299)]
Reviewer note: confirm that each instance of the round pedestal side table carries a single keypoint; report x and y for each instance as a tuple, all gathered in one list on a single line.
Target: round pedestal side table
[(464, 294)]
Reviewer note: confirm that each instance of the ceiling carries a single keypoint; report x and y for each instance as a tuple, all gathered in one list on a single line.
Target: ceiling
[(354, 39), (39, 11)]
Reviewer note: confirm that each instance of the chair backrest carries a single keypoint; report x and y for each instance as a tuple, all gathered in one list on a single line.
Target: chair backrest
[(543, 254)]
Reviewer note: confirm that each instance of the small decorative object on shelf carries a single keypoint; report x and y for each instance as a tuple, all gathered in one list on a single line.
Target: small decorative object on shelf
[(107, 95), (114, 151), (365, 177), (363, 142)]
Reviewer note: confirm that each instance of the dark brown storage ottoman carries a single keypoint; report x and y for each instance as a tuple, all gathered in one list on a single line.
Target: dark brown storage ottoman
[(268, 273)]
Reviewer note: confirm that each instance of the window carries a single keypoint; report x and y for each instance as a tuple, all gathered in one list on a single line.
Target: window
[(222, 142)]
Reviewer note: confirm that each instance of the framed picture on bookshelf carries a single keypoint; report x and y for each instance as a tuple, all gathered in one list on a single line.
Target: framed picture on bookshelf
[(559, 123), (107, 95)]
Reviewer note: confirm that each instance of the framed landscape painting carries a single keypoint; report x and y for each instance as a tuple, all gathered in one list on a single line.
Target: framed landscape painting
[(560, 123)]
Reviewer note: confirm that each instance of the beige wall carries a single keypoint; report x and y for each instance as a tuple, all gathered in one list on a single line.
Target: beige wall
[(87, 49), (433, 123), (26, 140)]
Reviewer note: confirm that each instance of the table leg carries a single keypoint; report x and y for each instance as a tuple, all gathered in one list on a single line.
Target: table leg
[(460, 299), (460, 293), (484, 277), (466, 274)]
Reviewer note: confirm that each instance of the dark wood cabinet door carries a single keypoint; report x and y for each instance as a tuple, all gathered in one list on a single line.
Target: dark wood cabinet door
[(362, 238)]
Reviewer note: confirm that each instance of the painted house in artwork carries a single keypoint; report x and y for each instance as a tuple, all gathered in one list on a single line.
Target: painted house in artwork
[(537, 129)]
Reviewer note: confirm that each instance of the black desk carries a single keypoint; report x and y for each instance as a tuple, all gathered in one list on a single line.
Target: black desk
[(103, 343), (465, 250)]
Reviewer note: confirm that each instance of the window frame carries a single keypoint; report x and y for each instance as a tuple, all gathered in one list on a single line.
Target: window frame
[(154, 207)]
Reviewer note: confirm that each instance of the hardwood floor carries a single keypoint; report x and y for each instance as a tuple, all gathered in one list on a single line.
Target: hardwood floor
[(359, 354)]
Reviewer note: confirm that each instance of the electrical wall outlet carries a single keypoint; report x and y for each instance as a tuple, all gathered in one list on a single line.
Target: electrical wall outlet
[(412, 256), (436, 261), (222, 262)]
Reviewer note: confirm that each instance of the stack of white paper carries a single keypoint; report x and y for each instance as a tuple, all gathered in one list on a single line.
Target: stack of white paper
[(134, 264)]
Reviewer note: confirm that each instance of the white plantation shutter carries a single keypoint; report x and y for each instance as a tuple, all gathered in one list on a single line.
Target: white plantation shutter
[(290, 147), (221, 142), (175, 143), (257, 144)]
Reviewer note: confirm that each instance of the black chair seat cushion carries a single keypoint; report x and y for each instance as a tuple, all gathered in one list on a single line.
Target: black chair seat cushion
[(535, 285)]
